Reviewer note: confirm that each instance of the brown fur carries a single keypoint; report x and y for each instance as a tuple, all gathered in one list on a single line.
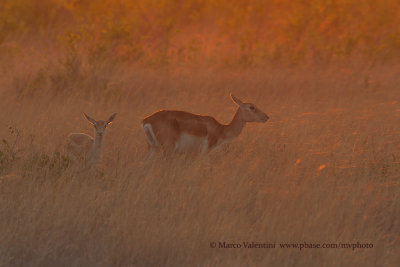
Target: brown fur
[(169, 125), (81, 146)]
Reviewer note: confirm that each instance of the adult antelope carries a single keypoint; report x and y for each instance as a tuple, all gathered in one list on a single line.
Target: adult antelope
[(82, 146), (175, 131)]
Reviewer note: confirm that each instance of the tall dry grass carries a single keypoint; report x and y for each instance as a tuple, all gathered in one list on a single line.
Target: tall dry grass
[(324, 169)]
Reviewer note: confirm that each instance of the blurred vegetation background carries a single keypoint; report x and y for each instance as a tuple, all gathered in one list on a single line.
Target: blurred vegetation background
[(325, 168), (210, 32)]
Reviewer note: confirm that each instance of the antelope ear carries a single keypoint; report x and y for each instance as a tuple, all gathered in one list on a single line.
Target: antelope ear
[(92, 121), (236, 100), (112, 117)]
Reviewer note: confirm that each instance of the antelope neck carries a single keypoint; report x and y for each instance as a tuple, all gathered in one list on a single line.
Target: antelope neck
[(98, 140), (235, 127)]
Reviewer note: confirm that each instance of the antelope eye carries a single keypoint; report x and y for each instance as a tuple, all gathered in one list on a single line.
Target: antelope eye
[(252, 108)]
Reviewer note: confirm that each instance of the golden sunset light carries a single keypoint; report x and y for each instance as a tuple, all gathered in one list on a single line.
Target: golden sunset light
[(199, 133)]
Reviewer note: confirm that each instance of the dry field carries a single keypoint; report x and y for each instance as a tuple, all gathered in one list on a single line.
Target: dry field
[(324, 169)]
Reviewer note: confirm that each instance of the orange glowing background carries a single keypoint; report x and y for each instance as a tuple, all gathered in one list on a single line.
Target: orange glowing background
[(211, 31), (325, 168)]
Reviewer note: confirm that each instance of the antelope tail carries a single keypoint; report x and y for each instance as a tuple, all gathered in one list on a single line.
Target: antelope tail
[(149, 134)]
